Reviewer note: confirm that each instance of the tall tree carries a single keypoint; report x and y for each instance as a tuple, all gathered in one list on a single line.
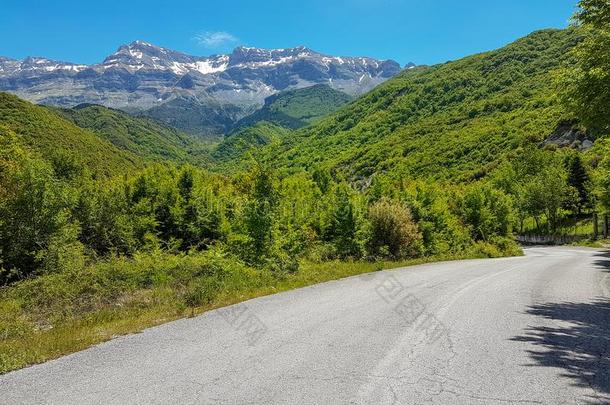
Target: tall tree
[(261, 214), (586, 84), (579, 179), (33, 210), (345, 224)]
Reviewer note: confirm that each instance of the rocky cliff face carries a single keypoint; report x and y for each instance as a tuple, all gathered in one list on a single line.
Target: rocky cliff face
[(142, 77), (568, 134)]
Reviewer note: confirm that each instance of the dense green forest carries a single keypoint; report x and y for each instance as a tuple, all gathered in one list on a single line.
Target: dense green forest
[(270, 125), (141, 136), (453, 121), (54, 211), (239, 146), (57, 139), (115, 223), (298, 108)]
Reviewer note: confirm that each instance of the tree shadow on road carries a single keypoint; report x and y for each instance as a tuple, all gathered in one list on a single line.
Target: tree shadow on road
[(577, 342), (602, 260)]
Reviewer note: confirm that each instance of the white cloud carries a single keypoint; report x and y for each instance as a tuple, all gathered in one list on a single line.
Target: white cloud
[(215, 39)]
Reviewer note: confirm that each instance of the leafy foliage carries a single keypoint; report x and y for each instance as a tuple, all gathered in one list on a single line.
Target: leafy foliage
[(56, 218), (393, 229), (585, 93), (343, 229), (537, 181), (585, 85), (488, 211), (32, 210), (579, 180)]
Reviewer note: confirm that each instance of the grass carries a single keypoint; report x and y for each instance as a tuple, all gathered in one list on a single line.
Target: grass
[(57, 314), (599, 243), (577, 226)]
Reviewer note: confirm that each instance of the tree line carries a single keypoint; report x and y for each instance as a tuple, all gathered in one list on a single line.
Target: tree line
[(55, 215)]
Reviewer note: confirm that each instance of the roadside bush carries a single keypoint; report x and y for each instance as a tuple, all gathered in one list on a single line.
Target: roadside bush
[(507, 246), (488, 212), (201, 291), (393, 230), (484, 250), (33, 208), (193, 279), (495, 247), (64, 252)]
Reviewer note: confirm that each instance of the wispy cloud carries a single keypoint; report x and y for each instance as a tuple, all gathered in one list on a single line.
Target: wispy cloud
[(215, 39)]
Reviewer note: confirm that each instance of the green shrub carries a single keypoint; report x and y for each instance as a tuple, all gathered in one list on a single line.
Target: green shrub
[(33, 211), (64, 252), (487, 211), (201, 291), (496, 247), (393, 231)]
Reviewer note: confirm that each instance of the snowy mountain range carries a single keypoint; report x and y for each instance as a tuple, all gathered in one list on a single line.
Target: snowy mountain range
[(202, 95)]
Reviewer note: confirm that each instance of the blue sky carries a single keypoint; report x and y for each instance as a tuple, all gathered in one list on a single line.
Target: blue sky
[(422, 31)]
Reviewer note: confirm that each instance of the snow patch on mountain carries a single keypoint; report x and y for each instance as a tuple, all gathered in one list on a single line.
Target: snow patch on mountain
[(140, 76)]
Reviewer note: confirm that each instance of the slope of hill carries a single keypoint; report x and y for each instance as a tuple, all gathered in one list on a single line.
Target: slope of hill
[(51, 135), (235, 147), (450, 121), (141, 136), (298, 108), (205, 119)]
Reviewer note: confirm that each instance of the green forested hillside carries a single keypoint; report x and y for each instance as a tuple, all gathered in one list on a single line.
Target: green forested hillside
[(55, 138), (234, 148), (451, 121), (141, 136), (440, 162), (298, 108), (206, 121)]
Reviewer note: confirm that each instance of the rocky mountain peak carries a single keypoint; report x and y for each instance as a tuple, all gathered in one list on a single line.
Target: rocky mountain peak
[(243, 54), (143, 54), (140, 76), (247, 55), (35, 60), (34, 65)]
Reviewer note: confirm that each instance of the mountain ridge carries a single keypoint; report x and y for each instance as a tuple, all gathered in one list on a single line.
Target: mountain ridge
[(138, 49), (141, 76), (145, 138)]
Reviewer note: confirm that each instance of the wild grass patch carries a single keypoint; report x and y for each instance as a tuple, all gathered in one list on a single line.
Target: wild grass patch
[(60, 313)]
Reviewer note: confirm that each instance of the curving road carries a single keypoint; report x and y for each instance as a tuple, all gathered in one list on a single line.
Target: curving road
[(527, 330)]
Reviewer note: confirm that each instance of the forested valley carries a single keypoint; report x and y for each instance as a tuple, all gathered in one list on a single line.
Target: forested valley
[(110, 223)]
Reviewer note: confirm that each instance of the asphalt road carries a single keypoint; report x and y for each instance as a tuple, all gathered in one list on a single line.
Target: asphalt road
[(528, 330)]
